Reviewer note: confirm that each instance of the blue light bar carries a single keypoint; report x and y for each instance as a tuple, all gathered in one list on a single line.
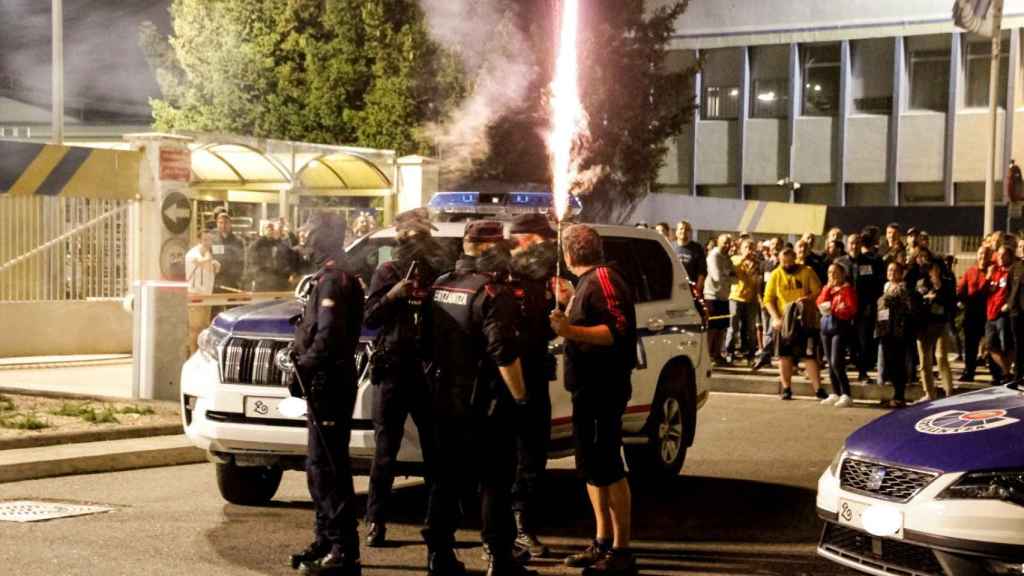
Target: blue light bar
[(510, 203), (443, 200)]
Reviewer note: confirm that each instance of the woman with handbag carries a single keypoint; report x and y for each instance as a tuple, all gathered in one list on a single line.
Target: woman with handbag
[(837, 303)]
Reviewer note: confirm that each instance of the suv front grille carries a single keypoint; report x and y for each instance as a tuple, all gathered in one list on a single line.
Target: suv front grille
[(889, 556), (251, 361), (884, 481)]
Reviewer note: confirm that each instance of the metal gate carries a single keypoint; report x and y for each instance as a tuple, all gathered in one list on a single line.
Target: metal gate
[(56, 248)]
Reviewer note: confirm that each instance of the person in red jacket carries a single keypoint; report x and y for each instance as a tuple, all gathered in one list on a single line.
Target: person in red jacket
[(838, 305), (997, 330), (970, 292)]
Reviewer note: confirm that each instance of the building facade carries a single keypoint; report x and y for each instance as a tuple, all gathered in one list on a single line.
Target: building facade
[(869, 105)]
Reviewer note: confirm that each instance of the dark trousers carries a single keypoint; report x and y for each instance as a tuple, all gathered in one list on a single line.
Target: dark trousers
[(894, 364), (835, 344), (866, 343), (533, 437), (1017, 323), (474, 451), (395, 399), (974, 331), (329, 472)]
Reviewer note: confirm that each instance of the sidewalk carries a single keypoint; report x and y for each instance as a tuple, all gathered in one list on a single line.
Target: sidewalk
[(102, 376)]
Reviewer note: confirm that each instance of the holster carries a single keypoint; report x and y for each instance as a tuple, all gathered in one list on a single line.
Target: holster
[(382, 364)]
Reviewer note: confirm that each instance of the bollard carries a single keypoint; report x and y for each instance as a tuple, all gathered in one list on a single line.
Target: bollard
[(160, 343)]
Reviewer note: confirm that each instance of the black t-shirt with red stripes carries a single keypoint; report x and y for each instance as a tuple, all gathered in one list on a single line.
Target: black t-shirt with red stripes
[(602, 298)]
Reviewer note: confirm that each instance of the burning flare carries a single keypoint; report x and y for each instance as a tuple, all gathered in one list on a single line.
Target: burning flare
[(568, 119)]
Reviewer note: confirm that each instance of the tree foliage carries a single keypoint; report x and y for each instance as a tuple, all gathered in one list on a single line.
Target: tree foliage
[(359, 72)]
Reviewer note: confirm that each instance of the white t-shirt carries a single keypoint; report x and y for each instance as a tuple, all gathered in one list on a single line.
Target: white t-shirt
[(200, 271)]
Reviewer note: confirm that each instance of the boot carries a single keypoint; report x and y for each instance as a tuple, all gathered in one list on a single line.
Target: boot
[(376, 535), (444, 563), (335, 563), (526, 539), (314, 551), (503, 564)]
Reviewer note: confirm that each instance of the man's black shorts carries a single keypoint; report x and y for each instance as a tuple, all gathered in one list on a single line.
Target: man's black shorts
[(597, 430)]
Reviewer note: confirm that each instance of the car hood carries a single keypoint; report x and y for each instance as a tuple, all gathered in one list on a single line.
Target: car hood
[(272, 318), (976, 431)]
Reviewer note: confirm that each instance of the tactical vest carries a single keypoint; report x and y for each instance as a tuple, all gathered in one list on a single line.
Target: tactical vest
[(459, 343)]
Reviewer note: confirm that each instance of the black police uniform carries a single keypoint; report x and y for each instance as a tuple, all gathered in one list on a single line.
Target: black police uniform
[(473, 318), (397, 372), (325, 342), (533, 290)]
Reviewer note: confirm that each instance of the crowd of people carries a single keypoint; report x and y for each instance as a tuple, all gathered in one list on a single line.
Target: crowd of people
[(887, 302)]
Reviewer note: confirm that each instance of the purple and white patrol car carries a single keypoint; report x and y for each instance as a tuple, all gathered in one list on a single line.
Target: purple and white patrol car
[(932, 490)]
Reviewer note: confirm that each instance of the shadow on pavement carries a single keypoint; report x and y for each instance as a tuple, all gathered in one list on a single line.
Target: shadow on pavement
[(678, 515)]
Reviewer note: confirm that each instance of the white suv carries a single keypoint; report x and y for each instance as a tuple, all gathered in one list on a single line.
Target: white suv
[(232, 386)]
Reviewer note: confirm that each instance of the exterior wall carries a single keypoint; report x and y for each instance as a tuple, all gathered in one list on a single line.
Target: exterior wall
[(813, 150), (716, 152), (55, 328), (867, 146), (766, 152), (922, 141), (973, 130)]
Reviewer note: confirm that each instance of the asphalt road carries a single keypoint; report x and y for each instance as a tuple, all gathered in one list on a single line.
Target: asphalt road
[(744, 505)]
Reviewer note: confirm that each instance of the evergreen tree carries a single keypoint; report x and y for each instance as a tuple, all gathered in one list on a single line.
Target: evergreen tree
[(358, 72)]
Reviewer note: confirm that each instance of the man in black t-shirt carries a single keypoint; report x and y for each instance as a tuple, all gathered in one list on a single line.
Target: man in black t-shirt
[(600, 354), (691, 255)]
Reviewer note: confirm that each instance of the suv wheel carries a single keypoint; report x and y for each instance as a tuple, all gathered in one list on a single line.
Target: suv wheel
[(662, 457), (247, 485)]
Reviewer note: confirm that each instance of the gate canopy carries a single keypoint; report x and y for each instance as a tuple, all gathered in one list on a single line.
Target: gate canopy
[(28, 168)]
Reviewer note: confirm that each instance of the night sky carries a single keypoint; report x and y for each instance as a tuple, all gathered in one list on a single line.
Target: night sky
[(102, 58)]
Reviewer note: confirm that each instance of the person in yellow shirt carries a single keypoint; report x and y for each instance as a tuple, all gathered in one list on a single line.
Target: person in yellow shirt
[(790, 283), (743, 303)]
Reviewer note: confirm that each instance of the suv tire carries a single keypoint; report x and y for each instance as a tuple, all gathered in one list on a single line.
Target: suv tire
[(662, 457), (248, 485)]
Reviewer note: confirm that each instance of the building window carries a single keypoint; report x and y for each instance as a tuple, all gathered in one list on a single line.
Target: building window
[(928, 66), (978, 68), (867, 195), (718, 192), (821, 79), (922, 193), (769, 81), (871, 76), (722, 71), (973, 192), (816, 194), (770, 193)]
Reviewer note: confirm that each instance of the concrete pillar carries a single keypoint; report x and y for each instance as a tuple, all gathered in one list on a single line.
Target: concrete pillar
[(898, 95), (839, 160), (741, 121), (418, 180), (795, 101), (698, 92), (955, 76)]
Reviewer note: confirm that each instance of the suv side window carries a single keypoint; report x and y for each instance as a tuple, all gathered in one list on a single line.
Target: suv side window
[(645, 264)]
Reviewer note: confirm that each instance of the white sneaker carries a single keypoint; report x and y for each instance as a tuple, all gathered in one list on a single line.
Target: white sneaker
[(844, 401), (832, 398)]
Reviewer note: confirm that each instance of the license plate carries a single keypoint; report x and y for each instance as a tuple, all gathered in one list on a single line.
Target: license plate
[(263, 407), (852, 513), (876, 520)]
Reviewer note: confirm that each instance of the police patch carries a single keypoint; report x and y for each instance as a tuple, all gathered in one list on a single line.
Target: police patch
[(449, 297), (961, 422)]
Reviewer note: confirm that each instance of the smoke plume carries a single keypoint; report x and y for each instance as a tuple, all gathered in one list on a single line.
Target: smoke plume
[(500, 67)]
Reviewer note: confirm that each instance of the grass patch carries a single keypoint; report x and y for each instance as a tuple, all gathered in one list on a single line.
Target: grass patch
[(27, 421), (103, 415), (6, 404), (71, 409), (140, 410)]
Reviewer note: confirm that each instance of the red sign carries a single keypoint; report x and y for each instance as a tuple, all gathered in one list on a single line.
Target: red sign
[(175, 164)]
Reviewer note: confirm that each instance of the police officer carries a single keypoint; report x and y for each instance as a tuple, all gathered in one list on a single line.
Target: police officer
[(394, 308), (477, 386), (533, 267), (325, 342)]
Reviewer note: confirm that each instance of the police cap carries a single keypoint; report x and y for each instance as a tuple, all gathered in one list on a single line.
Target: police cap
[(415, 220), (484, 231), (532, 224)]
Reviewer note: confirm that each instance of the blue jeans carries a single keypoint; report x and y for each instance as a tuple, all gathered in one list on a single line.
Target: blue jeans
[(836, 344)]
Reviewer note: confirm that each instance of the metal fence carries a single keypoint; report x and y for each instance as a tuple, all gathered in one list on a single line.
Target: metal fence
[(56, 248)]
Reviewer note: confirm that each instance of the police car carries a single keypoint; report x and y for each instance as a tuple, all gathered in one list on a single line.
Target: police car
[(232, 386), (936, 489)]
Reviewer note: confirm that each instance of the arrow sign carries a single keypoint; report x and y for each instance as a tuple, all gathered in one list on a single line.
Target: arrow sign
[(176, 212)]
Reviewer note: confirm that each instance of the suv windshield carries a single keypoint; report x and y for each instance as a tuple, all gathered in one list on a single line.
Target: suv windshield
[(365, 256)]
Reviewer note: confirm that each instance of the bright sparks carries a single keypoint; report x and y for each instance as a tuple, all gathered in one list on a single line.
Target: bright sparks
[(568, 118)]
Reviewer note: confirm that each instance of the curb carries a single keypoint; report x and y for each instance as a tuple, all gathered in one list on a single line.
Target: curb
[(91, 457), (90, 436), (77, 396), (64, 364)]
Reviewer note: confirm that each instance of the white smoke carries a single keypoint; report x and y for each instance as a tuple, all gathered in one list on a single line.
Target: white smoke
[(500, 67)]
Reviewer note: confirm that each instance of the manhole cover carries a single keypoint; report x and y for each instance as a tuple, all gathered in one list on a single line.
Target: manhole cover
[(32, 511)]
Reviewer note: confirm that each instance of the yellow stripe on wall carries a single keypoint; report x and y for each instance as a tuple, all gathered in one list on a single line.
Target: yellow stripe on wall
[(38, 170), (783, 218), (106, 174), (748, 215)]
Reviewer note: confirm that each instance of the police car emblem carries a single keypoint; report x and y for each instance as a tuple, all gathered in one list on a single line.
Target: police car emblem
[(962, 421), (876, 479)]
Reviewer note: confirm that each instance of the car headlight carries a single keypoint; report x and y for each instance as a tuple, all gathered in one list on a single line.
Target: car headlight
[(833, 468), (210, 340), (1005, 485), (283, 359)]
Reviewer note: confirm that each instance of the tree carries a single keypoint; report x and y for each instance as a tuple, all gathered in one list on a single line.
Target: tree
[(635, 102), (358, 72)]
